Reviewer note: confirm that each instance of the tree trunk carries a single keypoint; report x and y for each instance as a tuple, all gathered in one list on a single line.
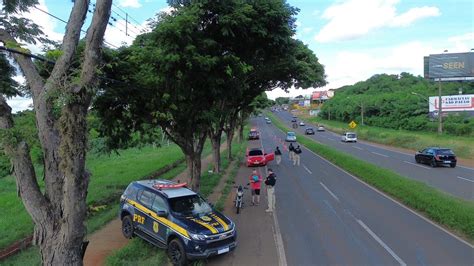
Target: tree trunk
[(216, 150), (230, 136), (193, 162), (241, 132), (59, 214)]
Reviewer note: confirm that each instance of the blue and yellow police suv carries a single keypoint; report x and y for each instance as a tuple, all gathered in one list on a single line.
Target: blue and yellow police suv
[(171, 216)]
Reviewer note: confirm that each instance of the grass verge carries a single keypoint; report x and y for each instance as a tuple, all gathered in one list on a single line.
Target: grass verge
[(453, 213), (110, 175), (462, 146)]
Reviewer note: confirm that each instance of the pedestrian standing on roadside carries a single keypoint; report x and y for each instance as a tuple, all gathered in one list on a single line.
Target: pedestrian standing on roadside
[(291, 150), (270, 184), (296, 156), (278, 155), (255, 185)]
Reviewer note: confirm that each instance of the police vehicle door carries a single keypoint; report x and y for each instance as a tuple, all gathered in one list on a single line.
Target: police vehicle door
[(158, 230), (143, 218)]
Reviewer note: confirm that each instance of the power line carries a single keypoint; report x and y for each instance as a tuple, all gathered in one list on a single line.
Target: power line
[(62, 20), (126, 13), (41, 58)]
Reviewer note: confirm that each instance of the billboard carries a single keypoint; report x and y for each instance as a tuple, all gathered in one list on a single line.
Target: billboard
[(453, 66), (452, 103)]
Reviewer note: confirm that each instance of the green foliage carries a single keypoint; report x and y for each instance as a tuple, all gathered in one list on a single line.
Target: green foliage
[(8, 86), (394, 101), (454, 213)]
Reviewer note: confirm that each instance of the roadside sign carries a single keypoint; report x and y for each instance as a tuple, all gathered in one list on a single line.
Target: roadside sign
[(352, 124)]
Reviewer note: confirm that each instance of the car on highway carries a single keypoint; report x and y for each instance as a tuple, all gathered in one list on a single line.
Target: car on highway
[(258, 157), (268, 121), (293, 120), (290, 136), (254, 134), (173, 217), (435, 156), (349, 137), (321, 128), (309, 131), (302, 124)]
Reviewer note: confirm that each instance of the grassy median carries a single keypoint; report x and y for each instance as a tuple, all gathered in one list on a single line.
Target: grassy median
[(451, 212)]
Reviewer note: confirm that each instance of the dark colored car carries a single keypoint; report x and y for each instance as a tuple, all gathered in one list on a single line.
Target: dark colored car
[(254, 134), (293, 120), (173, 217), (309, 131), (436, 156)]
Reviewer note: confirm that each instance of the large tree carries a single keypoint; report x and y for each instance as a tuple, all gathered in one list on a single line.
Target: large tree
[(202, 65), (61, 102)]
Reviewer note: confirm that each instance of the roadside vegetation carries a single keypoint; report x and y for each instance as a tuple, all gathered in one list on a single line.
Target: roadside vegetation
[(462, 146), (397, 102), (451, 212), (110, 175)]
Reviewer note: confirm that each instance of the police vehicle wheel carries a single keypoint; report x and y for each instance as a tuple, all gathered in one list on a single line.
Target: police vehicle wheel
[(176, 252), (127, 227)]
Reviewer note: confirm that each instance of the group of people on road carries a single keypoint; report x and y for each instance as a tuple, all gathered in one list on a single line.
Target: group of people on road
[(294, 154), (270, 181), (256, 185)]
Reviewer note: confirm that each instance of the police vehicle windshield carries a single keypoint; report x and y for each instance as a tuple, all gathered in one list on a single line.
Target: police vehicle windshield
[(190, 205)]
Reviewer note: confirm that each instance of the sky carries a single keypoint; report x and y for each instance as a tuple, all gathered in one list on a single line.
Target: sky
[(353, 39)]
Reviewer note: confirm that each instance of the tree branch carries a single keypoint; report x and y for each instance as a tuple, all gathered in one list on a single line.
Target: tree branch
[(94, 39), (70, 40), (27, 185)]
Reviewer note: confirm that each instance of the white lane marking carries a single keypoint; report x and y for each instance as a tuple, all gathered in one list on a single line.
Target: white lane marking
[(379, 154), (306, 168), (279, 242), (277, 232), (329, 191), (357, 148), (460, 177), (417, 165), (387, 248), (465, 167), (393, 200)]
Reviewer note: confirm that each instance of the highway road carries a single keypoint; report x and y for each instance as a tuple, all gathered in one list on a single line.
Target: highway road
[(457, 181), (328, 217)]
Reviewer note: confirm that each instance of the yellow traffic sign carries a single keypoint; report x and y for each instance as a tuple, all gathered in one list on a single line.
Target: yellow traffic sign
[(352, 124)]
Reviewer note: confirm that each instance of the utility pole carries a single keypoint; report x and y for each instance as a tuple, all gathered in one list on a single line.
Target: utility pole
[(362, 112), (440, 109)]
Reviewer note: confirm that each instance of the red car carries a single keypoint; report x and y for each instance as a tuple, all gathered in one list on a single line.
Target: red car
[(257, 157)]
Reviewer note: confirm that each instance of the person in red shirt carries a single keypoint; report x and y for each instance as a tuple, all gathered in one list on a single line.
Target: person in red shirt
[(255, 185)]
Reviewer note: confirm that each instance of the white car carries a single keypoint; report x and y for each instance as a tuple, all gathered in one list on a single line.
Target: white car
[(349, 137), (302, 124), (321, 128), (290, 136)]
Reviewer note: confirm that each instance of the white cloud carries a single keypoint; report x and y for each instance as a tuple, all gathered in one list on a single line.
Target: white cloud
[(46, 22), (167, 10), (130, 3), (20, 103), (116, 36), (461, 43), (352, 19), (414, 14)]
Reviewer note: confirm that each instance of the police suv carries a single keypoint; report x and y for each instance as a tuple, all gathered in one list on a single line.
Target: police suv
[(171, 216)]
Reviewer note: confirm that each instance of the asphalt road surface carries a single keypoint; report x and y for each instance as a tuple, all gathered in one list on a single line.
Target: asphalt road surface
[(328, 217), (457, 181)]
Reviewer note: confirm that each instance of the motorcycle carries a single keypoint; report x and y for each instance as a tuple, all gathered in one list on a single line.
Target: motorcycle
[(239, 197)]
